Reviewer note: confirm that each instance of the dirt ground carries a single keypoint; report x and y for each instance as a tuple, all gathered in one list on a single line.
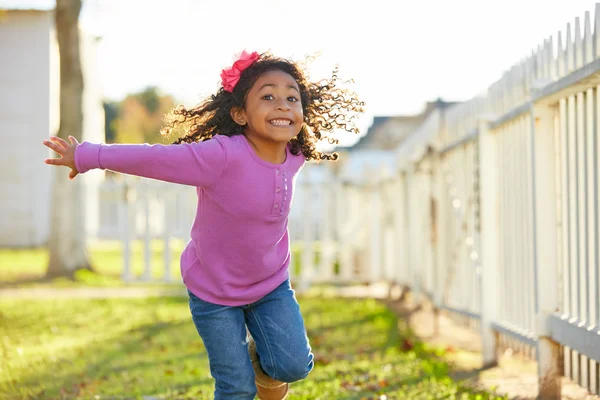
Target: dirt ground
[(516, 373)]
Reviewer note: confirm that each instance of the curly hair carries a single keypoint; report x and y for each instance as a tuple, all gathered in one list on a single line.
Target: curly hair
[(325, 105)]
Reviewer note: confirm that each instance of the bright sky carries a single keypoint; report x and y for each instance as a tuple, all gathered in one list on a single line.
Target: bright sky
[(400, 53)]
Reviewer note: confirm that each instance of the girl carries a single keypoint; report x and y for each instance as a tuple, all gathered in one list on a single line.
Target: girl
[(242, 149)]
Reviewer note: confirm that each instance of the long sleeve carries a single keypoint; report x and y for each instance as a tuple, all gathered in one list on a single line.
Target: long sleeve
[(194, 164)]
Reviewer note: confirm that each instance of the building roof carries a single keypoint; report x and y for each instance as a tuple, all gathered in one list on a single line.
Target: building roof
[(387, 132), (365, 166)]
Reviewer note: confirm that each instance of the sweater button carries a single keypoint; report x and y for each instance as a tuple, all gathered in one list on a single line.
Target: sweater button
[(278, 172), (276, 207), (277, 190)]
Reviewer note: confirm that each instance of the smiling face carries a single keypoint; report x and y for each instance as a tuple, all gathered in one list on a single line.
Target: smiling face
[(273, 109)]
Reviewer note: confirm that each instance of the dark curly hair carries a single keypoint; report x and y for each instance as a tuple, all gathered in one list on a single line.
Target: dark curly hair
[(325, 106)]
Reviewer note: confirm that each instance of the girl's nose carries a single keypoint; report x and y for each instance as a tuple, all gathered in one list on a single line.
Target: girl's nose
[(283, 106)]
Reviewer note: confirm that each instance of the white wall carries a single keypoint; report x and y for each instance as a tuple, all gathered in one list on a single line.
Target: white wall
[(29, 113), (24, 123)]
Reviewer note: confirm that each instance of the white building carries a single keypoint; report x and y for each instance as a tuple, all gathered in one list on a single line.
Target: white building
[(29, 113)]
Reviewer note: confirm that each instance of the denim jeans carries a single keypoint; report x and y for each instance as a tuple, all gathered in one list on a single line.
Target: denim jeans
[(276, 326)]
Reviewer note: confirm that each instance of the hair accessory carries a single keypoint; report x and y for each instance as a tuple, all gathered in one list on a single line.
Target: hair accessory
[(231, 76)]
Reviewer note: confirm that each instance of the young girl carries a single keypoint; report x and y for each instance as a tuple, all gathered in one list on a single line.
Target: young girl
[(242, 150)]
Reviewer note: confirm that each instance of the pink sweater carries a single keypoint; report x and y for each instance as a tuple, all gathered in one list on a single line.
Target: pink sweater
[(239, 249)]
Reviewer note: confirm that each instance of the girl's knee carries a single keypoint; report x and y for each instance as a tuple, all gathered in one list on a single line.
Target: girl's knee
[(293, 369)]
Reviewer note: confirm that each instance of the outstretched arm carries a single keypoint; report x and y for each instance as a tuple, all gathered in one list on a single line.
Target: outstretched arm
[(195, 164), (66, 152)]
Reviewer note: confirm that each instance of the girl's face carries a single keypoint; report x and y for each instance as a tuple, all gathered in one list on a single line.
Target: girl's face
[(273, 109)]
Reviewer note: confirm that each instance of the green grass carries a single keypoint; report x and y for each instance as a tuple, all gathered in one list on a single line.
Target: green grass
[(27, 267), (128, 348)]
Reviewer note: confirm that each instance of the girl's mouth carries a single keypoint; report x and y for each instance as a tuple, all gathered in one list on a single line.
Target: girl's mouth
[(280, 122)]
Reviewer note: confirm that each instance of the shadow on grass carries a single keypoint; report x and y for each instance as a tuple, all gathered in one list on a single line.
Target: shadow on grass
[(24, 281), (157, 358), (81, 278), (468, 374)]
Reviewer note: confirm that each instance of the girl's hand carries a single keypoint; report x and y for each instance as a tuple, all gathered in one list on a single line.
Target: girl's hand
[(66, 152)]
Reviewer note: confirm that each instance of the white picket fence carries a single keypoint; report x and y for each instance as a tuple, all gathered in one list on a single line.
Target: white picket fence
[(514, 175), (489, 209), (137, 209)]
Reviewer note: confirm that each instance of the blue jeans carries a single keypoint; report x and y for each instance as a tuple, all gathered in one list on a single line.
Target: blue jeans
[(277, 327)]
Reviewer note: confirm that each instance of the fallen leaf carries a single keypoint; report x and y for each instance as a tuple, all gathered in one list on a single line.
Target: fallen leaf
[(407, 345)]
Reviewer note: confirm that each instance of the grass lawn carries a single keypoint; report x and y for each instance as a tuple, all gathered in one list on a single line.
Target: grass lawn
[(27, 267), (129, 348)]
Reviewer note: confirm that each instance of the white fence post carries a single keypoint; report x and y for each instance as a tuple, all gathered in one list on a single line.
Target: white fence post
[(375, 188), (388, 222), (326, 250), (414, 236), (441, 232), (345, 216), (167, 204), (546, 266), (307, 258), (490, 233), (399, 229), (424, 266), (147, 274), (340, 201), (125, 215)]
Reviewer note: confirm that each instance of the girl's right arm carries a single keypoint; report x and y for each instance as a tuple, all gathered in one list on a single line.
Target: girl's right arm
[(195, 164)]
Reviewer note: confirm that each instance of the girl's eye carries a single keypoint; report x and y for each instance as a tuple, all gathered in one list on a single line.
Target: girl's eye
[(270, 97)]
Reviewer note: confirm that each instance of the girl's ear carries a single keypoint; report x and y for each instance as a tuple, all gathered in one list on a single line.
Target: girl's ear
[(237, 114)]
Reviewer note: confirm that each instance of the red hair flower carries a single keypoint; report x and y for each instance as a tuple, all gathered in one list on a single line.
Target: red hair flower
[(231, 76)]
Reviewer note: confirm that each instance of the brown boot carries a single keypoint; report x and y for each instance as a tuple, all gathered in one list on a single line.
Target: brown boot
[(274, 393), (267, 388)]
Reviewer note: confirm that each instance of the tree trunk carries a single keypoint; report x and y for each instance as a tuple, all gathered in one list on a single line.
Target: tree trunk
[(67, 242)]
